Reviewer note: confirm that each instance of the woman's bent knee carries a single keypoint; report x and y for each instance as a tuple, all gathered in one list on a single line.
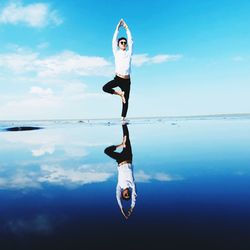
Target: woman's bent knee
[(104, 88), (107, 89)]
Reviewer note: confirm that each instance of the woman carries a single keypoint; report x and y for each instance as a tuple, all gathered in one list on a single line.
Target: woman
[(122, 50)]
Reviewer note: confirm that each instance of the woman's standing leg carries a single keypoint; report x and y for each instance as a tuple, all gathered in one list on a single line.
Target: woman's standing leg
[(125, 86)]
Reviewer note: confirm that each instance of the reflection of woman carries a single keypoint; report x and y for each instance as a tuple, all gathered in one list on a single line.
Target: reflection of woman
[(125, 188)]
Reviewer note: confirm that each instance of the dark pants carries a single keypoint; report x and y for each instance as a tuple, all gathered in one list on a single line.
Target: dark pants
[(124, 85)]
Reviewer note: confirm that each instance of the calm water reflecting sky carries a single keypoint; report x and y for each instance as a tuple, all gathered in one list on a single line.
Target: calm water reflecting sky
[(58, 188)]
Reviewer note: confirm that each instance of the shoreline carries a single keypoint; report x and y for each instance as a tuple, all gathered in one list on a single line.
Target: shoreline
[(193, 117)]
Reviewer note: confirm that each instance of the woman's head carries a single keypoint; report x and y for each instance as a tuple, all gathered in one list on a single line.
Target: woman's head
[(126, 194), (122, 43)]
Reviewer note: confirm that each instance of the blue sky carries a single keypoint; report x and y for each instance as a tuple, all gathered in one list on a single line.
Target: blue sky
[(190, 58)]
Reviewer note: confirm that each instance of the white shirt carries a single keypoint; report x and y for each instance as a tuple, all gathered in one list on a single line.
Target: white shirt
[(122, 57), (125, 180)]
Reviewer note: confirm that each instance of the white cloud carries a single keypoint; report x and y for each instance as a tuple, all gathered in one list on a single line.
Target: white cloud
[(22, 179), (19, 179), (65, 63), (56, 83), (165, 58), (28, 107), (64, 71), (166, 177), (72, 98), (34, 15), (43, 150), (40, 91), (73, 176), (141, 59), (69, 62), (79, 176), (19, 62), (141, 176), (46, 142), (70, 177)]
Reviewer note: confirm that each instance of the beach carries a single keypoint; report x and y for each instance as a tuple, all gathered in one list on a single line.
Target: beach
[(58, 187)]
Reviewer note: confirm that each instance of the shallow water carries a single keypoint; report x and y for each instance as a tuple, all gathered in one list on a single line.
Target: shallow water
[(57, 187)]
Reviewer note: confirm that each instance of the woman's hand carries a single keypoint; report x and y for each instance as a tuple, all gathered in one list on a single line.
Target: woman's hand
[(124, 24), (122, 211), (120, 24), (130, 211)]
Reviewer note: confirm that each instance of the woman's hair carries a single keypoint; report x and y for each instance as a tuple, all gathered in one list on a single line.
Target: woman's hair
[(121, 38)]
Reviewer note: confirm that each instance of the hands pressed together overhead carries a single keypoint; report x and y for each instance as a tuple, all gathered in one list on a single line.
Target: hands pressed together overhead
[(128, 213), (122, 23)]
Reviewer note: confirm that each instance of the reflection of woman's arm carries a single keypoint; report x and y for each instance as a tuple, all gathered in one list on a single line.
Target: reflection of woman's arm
[(133, 201), (118, 197), (133, 196)]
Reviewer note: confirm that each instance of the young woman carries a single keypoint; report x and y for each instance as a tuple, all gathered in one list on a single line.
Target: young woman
[(122, 50)]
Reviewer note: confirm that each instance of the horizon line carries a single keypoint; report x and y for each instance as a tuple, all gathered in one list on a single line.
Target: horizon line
[(138, 117)]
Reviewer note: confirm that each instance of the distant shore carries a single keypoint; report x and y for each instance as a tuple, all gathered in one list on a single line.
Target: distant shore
[(193, 117)]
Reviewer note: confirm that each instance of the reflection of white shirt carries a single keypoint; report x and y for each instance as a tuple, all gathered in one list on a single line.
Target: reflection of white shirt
[(125, 180), (122, 57)]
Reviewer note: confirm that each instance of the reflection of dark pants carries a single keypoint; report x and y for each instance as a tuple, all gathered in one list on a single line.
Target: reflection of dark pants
[(126, 154), (124, 84)]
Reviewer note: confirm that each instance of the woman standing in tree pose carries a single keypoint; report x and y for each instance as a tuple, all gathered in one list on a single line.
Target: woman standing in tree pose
[(122, 50)]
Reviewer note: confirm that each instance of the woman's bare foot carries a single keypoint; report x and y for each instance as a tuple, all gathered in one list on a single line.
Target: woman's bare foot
[(123, 97), (121, 94), (124, 121)]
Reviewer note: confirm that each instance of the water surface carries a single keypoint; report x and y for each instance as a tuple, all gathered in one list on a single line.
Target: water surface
[(57, 187)]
